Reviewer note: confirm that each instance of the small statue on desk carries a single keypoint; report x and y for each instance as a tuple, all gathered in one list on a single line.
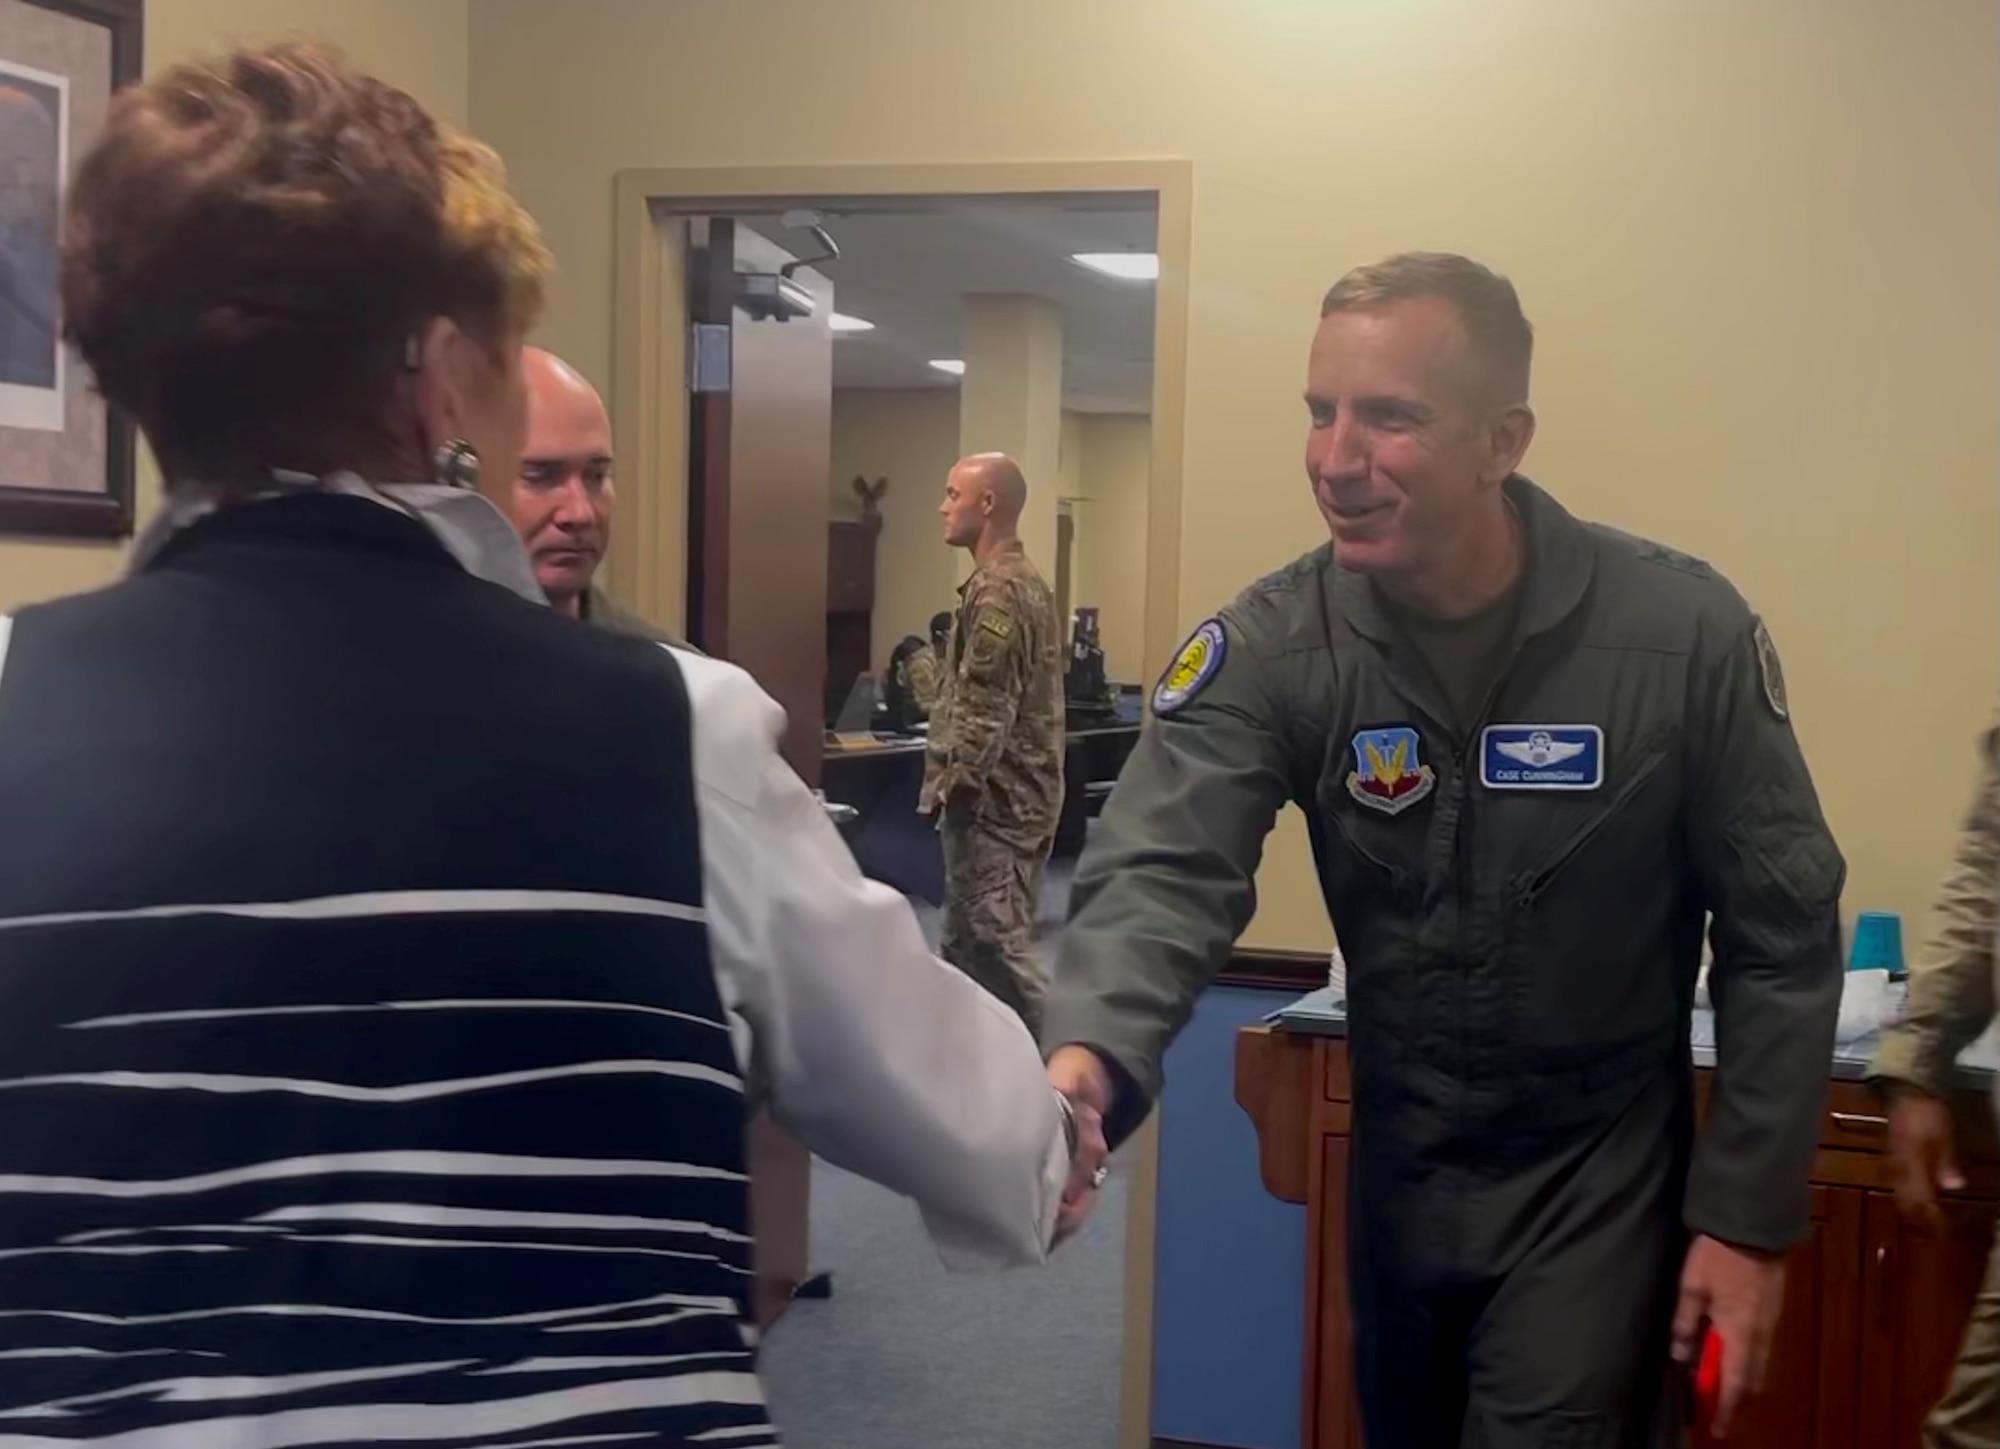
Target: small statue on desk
[(1087, 693)]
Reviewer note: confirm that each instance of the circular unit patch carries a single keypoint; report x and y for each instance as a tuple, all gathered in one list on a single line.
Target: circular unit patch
[(1192, 668)]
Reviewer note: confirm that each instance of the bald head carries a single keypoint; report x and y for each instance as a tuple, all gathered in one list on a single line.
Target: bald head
[(561, 503), (554, 383), (983, 498), (1000, 476)]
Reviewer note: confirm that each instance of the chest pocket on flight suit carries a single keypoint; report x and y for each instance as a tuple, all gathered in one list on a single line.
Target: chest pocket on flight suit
[(1372, 872), (1590, 900)]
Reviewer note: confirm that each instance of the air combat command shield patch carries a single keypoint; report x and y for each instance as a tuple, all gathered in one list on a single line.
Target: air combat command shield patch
[(1192, 668), (1387, 774)]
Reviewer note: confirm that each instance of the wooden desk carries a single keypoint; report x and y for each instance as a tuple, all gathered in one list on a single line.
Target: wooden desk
[(881, 779), (1873, 1311)]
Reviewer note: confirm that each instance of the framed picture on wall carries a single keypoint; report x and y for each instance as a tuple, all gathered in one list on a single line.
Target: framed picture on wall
[(66, 462)]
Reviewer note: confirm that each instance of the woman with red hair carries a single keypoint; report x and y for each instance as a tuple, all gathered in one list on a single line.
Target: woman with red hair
[(385, 961)]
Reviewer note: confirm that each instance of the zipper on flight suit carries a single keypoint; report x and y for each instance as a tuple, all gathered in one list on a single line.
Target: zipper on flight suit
[(1461, 845), (1574, 846)]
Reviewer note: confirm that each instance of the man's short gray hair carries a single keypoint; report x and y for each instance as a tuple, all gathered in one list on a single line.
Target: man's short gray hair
[(1485, 301)]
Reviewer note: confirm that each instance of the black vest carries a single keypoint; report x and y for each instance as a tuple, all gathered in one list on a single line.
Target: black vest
[(363, 1076)]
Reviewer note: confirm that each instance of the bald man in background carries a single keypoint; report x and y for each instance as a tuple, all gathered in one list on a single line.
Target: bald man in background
[(561, 502), (994, 769)]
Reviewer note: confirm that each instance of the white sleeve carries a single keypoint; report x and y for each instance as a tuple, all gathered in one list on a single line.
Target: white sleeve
[(878, 1056)]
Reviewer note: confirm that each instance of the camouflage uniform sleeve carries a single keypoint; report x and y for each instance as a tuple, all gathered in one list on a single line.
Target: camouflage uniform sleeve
[(1770, 875), (992, 674), (1952, 979), (1167, 882), (921, 669)]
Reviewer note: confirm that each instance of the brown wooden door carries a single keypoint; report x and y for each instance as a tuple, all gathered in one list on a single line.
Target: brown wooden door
[(1809, 1393), (1918, 1293), (759, 451)]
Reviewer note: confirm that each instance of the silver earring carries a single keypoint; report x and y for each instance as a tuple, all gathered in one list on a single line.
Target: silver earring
[(456, 464)]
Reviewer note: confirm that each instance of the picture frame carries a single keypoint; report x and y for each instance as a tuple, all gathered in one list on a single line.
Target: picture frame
[(67, 460)]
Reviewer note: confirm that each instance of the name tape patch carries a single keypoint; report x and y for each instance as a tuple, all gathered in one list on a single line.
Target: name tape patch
[(1541, 757), (1192, 668)]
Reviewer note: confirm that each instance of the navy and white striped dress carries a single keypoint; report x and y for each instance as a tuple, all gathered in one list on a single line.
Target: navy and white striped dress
[(363, 1077)]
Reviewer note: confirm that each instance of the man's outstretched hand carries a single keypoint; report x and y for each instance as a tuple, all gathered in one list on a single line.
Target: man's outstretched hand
[(1077, 1073), (1922, 1158), (1736, 1294)]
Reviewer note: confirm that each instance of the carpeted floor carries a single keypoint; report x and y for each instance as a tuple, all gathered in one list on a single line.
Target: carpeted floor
[(906, 1356)]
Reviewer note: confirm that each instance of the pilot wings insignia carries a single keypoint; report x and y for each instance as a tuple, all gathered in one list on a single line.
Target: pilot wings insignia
[(1540, 750)]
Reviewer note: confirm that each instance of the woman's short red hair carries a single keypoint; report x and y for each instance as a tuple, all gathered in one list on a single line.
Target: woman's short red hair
[(253, 242)]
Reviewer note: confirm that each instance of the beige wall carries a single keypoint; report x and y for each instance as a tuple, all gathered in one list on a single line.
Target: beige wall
[(1113, 469), (910, 438), (420, 45), (1757, 240)]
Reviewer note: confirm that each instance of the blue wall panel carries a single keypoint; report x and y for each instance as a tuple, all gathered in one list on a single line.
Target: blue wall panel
[(1229, 1270)]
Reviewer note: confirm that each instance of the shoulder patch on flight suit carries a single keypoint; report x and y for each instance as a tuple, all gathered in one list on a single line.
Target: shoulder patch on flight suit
[(1302, 567), (1673, 558), (1192, 668), (1772, 671), (1000, 626)]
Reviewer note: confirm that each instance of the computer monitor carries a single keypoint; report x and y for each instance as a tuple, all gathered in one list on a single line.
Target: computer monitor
[(857, 712)]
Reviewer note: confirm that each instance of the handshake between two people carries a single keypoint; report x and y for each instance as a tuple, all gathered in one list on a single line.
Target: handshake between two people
[(1081, 1081)]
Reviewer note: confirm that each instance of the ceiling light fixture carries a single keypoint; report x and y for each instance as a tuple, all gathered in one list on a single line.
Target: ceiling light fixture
[(1126, 266), (952, 365), (841, 322)]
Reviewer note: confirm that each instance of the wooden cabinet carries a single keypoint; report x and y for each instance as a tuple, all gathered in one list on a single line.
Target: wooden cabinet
[(1338, 1413), (1810, 1388), (1873, 1309), (1917, 1292), (850, 608), (850, 566)]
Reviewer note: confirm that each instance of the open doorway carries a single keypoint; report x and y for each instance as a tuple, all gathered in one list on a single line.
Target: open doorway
[(656, 566), (938, 318), (876, 342)]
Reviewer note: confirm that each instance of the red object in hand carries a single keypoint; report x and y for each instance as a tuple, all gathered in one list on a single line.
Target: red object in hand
[(1708, 1378)]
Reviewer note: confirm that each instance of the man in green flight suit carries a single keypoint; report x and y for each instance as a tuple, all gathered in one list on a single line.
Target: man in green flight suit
[(1535, 755)]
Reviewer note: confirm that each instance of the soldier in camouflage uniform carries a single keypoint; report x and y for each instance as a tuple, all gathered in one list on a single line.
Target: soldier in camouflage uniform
[(1954, 993), (994, 772), (916, 670), (926, 666)]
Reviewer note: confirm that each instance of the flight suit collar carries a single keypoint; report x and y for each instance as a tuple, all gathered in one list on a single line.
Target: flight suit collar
[(1554, 579)]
